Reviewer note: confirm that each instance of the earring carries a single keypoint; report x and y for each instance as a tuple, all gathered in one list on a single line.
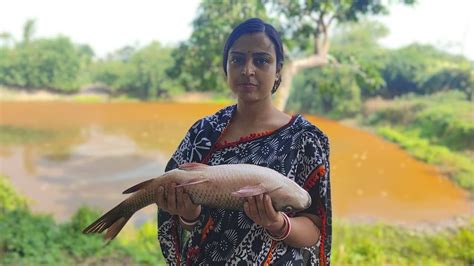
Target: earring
[(276, 84)]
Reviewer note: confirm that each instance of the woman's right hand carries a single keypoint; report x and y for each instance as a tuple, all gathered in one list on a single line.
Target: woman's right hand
[(177, 202)]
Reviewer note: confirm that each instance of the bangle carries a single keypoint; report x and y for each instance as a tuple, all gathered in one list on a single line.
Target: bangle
[(286, 233), (188, 223)]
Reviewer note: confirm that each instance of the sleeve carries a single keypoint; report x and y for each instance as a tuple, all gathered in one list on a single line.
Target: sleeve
[(313, 173)]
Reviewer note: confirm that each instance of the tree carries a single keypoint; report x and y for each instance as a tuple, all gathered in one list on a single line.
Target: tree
[(43, 63), (28, 31), (355, 45), (137, 72), (307, 26), (198, 61)]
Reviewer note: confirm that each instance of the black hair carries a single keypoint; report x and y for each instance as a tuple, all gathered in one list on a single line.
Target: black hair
[(255, 25)]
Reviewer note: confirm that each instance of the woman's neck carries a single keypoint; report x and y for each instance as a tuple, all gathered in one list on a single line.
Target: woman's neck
[(254, 113)]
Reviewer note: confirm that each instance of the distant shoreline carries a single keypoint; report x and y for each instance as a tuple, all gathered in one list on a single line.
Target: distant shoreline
[(19, 95)]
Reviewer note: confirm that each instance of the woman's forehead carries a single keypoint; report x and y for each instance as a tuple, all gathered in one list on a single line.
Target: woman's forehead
[(253, 43)]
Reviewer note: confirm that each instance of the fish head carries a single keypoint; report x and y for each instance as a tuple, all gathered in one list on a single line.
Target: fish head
[(290, 199)]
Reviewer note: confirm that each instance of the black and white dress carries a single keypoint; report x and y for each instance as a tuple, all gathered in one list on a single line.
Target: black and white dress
[(298, 150)]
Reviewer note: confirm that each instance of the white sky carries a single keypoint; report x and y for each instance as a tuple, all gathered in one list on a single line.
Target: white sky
[(108, 25)]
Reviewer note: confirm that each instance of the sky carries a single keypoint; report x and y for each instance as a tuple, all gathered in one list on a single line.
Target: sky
[(109, 25)]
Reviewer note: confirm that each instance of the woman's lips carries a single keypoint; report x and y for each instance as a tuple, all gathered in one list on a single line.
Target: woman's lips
[(248, 86)]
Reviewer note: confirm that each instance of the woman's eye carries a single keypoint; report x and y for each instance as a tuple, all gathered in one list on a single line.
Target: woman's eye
[(236, 60), (261, 61)]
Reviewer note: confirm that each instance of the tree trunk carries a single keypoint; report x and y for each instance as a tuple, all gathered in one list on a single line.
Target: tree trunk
[(290, 70), (318, 59)]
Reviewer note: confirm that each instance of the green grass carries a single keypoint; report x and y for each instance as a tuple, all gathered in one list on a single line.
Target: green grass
[(89, 99), (391, 245)]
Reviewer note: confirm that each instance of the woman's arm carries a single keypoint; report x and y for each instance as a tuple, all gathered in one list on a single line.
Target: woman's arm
[(304, 231)]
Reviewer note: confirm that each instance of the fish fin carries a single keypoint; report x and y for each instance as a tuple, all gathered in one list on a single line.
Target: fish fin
[(192, 166), (275, 189), (113, 220), (249, 191), (193, 182), (115, 228), (138, 186)]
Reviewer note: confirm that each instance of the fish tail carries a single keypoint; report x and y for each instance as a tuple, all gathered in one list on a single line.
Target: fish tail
[(113, 220)]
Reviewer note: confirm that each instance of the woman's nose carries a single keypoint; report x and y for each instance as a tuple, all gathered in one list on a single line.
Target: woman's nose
[(248, 69)]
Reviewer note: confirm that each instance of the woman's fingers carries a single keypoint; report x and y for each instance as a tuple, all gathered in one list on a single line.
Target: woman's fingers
[(161, 202), (269, 210), (252, 209), (172, 197), (260, 207), (180, 202)]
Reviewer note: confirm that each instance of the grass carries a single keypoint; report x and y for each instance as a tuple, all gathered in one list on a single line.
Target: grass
[(29, 239), (89, 99), (391, 245)]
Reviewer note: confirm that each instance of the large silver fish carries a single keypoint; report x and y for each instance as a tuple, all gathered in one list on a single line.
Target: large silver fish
[(221, 186)]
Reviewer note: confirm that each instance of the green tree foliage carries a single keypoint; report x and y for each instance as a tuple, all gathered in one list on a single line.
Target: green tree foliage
[(29, 29), (139, 73), (423, 69), (53, 63), (307, 23), (43, 63), (330, 91), (356, 45), (198, 61), (458, 77)]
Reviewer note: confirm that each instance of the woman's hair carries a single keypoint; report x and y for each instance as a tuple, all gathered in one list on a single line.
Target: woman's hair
[(255, 25)]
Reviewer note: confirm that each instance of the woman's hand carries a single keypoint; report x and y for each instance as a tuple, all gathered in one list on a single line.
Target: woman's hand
[(177, 202), (260, 209)]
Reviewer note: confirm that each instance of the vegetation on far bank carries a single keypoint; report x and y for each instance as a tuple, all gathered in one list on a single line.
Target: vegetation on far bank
[(436, 128)]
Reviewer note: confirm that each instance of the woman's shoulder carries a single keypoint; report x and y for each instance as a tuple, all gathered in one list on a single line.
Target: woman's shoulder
[(216, 121), (309, 130)]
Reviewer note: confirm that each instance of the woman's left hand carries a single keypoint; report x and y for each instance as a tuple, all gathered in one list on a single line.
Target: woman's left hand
[(260, 209)]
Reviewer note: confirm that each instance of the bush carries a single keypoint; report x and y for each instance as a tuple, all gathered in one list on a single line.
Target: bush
[(9, 199), (444, 118), (331, 92)]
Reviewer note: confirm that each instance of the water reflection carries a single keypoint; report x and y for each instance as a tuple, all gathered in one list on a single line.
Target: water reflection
[(94, 172), (63, 155)]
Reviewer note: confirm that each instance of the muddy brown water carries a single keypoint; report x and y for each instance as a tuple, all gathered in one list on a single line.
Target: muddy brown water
[(64, 155)]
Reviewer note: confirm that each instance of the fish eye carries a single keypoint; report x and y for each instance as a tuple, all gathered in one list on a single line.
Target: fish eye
[(288, 209)]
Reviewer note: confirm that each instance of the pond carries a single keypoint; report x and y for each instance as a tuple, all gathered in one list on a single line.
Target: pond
[(63, 155)]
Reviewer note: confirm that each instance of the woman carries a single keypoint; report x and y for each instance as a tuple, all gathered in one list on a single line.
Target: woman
[(252, 131)]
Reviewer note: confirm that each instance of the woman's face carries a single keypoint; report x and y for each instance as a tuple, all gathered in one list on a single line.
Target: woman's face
[(251, 67)]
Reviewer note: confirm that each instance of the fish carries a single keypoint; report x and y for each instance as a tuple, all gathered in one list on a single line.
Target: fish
[(220, 186)]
